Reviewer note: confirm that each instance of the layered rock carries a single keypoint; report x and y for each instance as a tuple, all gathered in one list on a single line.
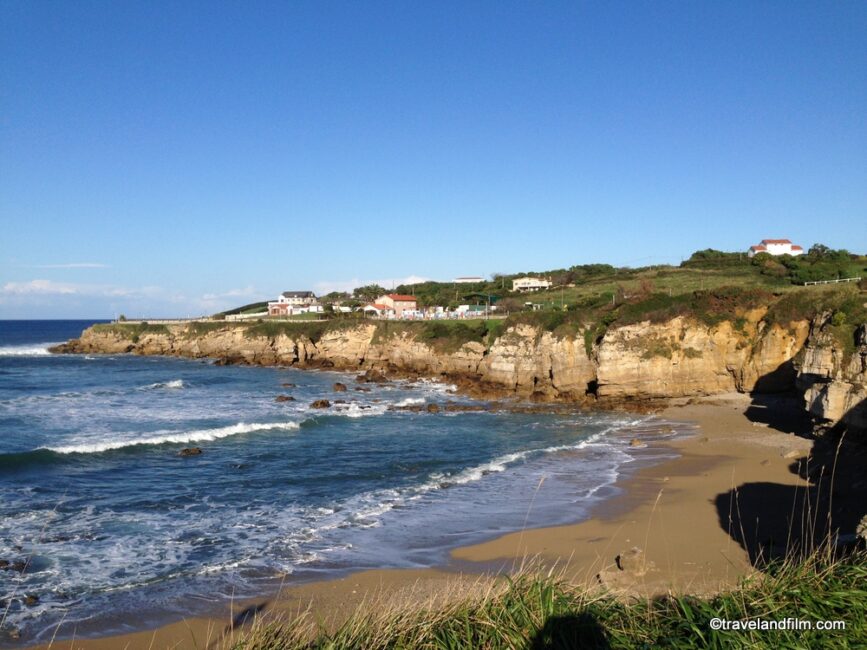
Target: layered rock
[(682, 357), (833, 375)]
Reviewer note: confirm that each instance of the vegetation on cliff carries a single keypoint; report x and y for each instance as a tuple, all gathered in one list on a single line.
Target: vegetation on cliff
[(543, 611), (131, 331)]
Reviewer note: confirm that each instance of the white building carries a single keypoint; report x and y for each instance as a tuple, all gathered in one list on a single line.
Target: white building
[(530, 284), (469, 280), (291, 300), (775, 247)]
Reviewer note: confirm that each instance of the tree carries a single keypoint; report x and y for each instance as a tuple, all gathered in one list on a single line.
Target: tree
[(334, 297), (369, 292), (818, 251)]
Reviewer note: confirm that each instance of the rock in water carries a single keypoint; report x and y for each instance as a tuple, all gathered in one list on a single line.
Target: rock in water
[(31, 599), (284, 398), (635, 442), (288, 385), (190, 451), (373, 376), (320, 404), (432, 408), (339, 387)]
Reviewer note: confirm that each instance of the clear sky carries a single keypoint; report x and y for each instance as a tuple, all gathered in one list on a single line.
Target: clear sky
[(175, 158)]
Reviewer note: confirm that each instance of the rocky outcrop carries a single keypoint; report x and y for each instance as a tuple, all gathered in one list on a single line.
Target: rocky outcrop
[(683, 358), (534, 363), (641, 361), (833, 375)]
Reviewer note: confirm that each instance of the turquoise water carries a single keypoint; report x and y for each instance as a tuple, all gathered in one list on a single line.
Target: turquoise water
[(111, 520)]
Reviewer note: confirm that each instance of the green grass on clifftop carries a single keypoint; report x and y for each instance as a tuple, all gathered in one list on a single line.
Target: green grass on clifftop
[(132, 331)]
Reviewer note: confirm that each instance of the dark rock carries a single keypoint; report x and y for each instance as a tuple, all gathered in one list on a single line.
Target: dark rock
[(31, 599), (320, 404), (362, 389), (19, 565), (456, 408), (339, 387), (284, 398), (190, 451), (372, 376), (288, 385), (340, 401), (635, 442), (432, 408), (412, 408)]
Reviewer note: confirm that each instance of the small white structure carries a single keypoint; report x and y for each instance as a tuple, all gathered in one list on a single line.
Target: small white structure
[(530, 284), (775, 247), (469, 280), (291, 300)]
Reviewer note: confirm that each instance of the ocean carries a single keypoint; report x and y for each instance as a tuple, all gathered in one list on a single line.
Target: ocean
[(115, 526)]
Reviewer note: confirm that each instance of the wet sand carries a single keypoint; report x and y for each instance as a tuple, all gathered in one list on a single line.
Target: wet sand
[(667, 530)]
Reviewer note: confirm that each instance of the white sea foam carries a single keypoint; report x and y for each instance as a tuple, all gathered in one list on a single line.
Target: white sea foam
[(355, 410), (410, 401), (174, 383), (202, 435), (28, 350)]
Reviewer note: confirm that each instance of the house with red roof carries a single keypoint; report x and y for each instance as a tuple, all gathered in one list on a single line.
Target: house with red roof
[(775, 247), (401, 304)]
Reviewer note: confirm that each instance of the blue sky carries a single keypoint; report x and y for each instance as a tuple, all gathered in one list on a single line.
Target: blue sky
[(164, 158)]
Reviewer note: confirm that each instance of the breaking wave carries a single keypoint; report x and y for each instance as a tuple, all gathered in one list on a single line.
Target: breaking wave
[(202, 435), (29, 350)]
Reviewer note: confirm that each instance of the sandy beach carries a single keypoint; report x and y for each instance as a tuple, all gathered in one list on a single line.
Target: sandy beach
[(675, 526)]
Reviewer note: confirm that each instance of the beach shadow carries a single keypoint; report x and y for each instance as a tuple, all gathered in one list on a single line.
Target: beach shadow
[(782, 412), (779, 380), (569, 632), (772, 521)]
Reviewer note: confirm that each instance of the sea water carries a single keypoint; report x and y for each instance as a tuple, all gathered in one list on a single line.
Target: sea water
[(115, 526)]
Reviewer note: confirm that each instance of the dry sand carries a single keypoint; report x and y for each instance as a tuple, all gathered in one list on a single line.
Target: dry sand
[(668, 530)]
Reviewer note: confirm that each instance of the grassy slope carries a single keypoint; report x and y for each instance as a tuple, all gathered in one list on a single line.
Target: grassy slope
[(540, 611)]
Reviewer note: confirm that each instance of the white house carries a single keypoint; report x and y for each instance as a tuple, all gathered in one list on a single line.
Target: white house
[(775, 247), (290, 300), (378, 310), (530, 284)]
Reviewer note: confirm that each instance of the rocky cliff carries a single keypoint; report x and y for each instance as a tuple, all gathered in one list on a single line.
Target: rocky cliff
[(641, 361), (833, 374)]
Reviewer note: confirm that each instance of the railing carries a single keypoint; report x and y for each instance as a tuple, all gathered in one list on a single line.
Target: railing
[(162, 321), (806, 284)]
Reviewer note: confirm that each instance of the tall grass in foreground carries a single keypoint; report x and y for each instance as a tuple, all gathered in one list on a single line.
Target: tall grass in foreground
[(533, 610)]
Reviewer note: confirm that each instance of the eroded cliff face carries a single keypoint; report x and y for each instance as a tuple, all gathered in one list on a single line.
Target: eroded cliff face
[(833, 375), (683, 358), (642, 361)]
